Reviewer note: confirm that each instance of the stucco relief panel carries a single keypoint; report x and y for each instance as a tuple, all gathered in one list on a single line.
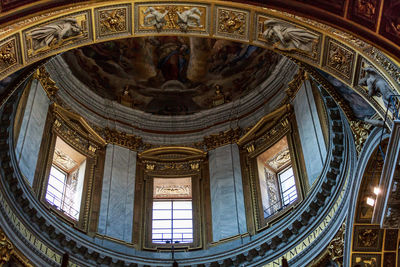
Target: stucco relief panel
[(288, 37), (57, 35), (172, 18)]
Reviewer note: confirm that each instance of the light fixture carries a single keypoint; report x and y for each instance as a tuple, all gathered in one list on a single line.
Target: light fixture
[(370, 201), (377, 190)]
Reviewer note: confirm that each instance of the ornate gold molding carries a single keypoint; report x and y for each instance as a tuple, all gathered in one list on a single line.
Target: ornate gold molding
[(76, 130), (295, 85), (45, 80), (361, 131), (7, 250), (130, 141), (223, 138), (322, 46), (269, 126)]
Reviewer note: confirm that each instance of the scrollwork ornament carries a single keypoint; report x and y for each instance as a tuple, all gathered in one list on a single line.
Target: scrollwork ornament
[(222, 138), (48, 84), (336, 246), (340, 59), (6, 248), (295, 84), (232, 22), (112, 21), (7, 53), (361, 132)]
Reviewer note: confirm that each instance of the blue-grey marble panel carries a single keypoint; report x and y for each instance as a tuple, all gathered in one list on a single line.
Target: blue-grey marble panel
[(105, 193), (25, 119), (310, 132), (227, 205), (35, 121), (237, 171), (116, 210)]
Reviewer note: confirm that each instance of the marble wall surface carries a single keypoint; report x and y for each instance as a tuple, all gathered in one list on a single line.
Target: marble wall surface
[(311, 136), (30, 135), (117, 197), (227, 202)]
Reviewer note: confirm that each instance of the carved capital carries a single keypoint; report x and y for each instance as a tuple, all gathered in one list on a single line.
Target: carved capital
[(361, 132), (223, 138), (122, 139), (45, 80)]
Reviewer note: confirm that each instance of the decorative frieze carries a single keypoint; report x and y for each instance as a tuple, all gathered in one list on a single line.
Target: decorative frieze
[(122, 139)]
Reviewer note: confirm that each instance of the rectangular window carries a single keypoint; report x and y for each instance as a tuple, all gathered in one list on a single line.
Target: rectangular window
[(65, 183), (172, 215)]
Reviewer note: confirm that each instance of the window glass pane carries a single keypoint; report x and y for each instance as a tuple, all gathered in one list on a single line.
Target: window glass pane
[(182, 205), (182, 224), (288, 186), (162, 205), (182, 214), (162, 214), (160, 231), (162, 224), (66, 179), (57, 173), (286, 174)]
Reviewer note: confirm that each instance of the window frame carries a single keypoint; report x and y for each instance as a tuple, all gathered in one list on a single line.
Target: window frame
[(270, 130), (196, 215), (172, 209), (75, 132), (165, 163)]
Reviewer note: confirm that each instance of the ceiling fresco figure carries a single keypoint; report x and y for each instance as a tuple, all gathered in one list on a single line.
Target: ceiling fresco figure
[(171, 75)]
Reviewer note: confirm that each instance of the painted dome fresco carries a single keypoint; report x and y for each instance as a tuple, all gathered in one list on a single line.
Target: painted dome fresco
[(171, 75)]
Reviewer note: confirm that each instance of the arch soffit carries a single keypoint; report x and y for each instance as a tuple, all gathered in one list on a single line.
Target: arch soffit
[(306, 41)]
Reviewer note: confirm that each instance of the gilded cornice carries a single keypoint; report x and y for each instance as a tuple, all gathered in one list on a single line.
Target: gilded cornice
[(222, 138), (266, 124), (74, 128), (295, 85), (130, 141)]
